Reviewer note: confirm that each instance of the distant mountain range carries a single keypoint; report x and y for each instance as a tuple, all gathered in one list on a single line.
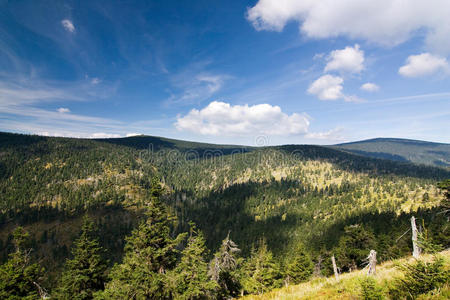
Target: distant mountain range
[(419, 152)]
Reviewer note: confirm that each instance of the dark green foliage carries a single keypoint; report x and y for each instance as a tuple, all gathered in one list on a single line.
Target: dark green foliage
[(445, 186), (149, 254), (419, 278), (300, 267), (18, 276), (190, 278), (354, 246), (224, 269), (84, 274), (261, 272), (370, 290)]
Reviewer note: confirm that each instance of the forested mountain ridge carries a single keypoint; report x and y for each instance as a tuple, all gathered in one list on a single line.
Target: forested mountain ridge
[(287, 194), (421, 152)]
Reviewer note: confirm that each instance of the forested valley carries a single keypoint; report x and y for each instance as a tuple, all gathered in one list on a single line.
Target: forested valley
[(153, 218)]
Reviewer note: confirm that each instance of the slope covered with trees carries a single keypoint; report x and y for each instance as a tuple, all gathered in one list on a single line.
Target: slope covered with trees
[(284, 210), (420, 152)]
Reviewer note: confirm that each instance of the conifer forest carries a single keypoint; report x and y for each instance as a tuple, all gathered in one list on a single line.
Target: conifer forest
[(154, 218)]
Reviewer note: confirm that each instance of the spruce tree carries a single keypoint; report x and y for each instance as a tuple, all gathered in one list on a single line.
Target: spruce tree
[(18, 276), (262, 273), (85, 273), (224, 269), (150, 253), (354, 246), (190, 278), (300, 267)]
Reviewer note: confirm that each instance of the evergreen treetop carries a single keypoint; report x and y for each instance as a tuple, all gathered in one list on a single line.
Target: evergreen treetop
[(85, 273)]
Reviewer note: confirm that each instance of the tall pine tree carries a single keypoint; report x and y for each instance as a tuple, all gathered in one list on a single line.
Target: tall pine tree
[(150, 253), (190, 277), (18, 276), (85, 273), (300, 266), (262, 273)]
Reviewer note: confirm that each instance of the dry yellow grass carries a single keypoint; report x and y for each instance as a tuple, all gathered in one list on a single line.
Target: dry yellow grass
[(348, 287)]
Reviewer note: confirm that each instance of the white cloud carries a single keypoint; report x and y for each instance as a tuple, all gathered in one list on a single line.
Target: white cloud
[(331, 135), (423, 64), (350, 60), (223, 119), (102, 135), (68, 25), (386, 22), (369, 87), (327, 87), (63, 110), (132, 134), (95, 80)]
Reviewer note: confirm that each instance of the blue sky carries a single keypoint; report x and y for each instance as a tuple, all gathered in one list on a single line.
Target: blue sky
[(241, 72)]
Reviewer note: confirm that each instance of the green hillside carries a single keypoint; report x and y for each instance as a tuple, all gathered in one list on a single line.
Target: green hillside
[(284, 196), (420, 152)]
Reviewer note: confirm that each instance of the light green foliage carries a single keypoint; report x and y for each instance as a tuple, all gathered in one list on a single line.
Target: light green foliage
[(262, 273), (190, 278), (300, 266), (84, 274), (18, 276)]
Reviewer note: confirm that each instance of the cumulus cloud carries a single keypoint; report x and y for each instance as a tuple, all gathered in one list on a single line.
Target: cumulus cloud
[(423, 64), (386, 22), (348, 60), (327, 87), (369, 87), (223, 119), (63, 110), (68, 25)]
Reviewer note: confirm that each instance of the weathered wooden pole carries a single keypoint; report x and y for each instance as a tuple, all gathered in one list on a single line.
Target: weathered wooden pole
[(372, 262), (336, 274), (416, 248)]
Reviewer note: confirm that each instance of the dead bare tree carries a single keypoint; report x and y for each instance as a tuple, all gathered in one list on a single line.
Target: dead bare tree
[(372, 262), (335, 269), (42, 292), (416, 248)]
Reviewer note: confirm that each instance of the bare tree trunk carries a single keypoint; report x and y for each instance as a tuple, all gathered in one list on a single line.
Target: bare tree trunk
[(42, 292), (416, 248), (336, 274), (372, 262), (318, 267)]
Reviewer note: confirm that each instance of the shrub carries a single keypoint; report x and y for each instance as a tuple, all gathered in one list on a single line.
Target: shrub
[(419, 278), (370, 290)]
